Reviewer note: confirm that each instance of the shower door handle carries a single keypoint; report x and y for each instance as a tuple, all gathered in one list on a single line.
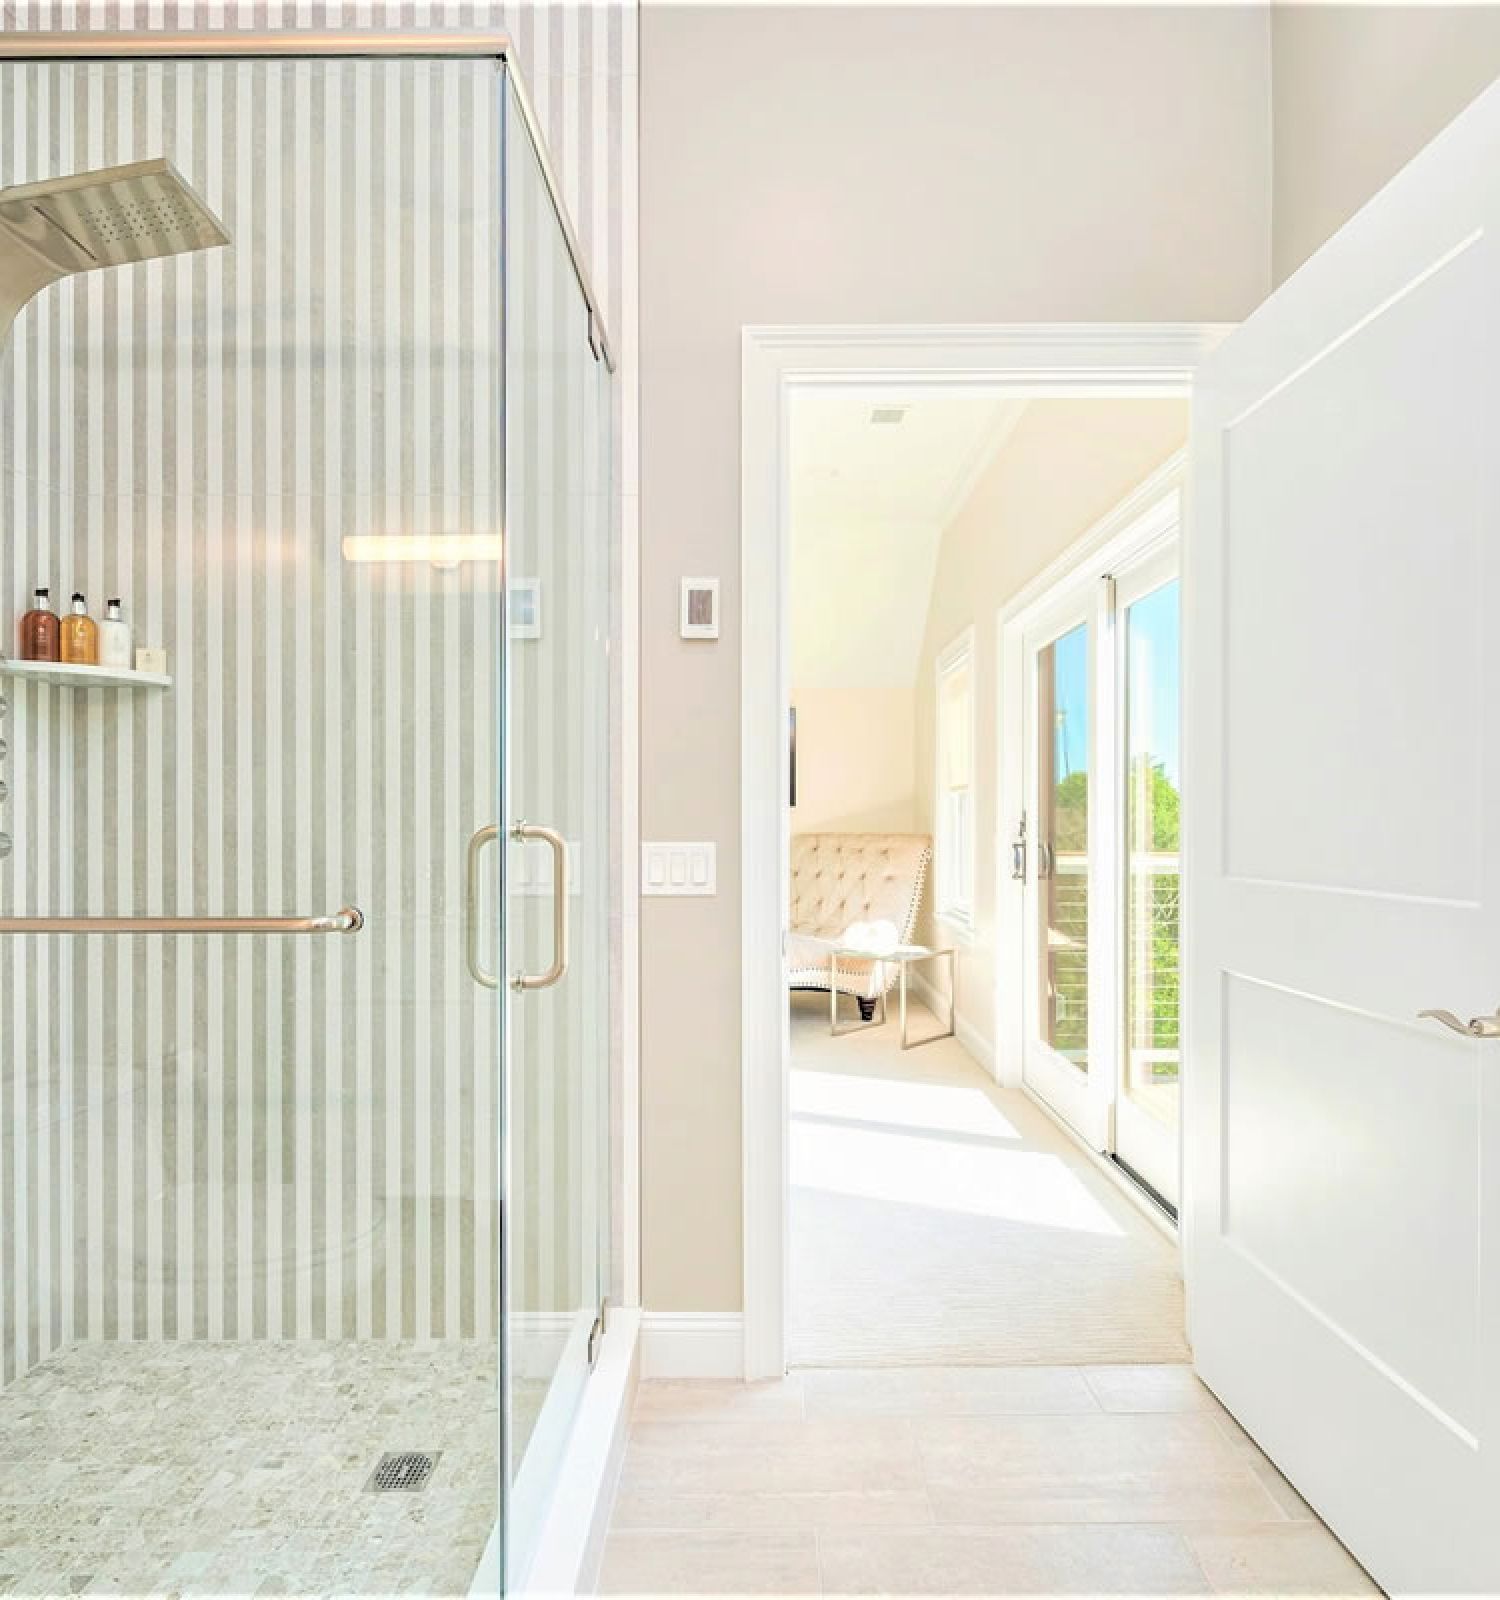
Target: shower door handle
[(487, 980), (521, 833)]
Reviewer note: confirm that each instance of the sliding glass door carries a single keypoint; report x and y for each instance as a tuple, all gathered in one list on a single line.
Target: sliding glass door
[(1101, 799), (1148, 654), (1061, 1045)]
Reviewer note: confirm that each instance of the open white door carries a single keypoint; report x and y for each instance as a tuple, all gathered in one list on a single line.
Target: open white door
[(1342, 603)]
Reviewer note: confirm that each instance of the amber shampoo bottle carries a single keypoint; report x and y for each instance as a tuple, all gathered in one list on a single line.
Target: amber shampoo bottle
[(80, 635), (40, 631)]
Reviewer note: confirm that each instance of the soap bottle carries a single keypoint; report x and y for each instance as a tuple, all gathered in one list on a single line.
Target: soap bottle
[(39, 631), (114, 638), (80, 635)]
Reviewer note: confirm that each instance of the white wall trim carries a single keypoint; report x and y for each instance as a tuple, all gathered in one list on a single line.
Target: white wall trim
[(1018, 361), (692, 1344), (958, 916)]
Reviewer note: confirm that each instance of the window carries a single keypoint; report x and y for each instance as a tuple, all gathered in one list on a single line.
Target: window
[(954, 846)]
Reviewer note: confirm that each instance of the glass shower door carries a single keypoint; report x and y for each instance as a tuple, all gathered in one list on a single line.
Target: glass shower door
[(555, 855)]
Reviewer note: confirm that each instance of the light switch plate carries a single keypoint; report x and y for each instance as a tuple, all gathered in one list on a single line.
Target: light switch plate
[(699, 608), (679, 869)]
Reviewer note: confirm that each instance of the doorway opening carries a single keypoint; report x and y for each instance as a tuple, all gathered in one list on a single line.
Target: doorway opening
[(938, 1213), (1030, 368)]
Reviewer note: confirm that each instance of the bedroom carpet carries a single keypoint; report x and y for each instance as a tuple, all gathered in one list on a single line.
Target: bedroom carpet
[(940, 1220)]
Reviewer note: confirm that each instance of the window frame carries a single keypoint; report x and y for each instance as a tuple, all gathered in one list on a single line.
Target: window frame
[(954, 903)]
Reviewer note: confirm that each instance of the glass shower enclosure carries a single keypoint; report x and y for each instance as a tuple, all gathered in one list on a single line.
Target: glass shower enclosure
[(304, 909)]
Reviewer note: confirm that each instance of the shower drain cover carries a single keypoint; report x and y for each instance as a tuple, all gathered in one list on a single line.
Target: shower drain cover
[(402, 1471)]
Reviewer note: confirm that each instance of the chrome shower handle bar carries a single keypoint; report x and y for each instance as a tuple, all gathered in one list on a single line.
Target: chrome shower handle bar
[(349, 920), (520, 833)]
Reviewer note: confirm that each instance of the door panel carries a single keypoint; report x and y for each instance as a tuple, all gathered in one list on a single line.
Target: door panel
[(1146, 1110), (1065, 986), (1342, 738), (1063, 815), (555, 851)]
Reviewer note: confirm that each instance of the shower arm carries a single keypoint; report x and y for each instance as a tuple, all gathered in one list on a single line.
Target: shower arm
[(109, 217), (349, 920)]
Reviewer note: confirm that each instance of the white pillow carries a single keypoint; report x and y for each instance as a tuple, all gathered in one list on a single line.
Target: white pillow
[(872, 936)]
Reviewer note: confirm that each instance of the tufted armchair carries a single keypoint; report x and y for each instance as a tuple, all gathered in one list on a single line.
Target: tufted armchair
[(839, 879)]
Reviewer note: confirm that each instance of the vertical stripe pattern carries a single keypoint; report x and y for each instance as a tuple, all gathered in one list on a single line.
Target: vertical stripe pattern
[(267, 1138)]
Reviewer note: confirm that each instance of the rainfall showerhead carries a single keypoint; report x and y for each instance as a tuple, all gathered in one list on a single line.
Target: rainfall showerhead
[(107, 218)]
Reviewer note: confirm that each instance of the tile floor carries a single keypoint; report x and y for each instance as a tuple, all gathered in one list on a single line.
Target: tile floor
[(239, 1469), (1066, 1481)]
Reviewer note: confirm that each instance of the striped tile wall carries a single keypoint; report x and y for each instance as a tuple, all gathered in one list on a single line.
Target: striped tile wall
[(255, 1138)]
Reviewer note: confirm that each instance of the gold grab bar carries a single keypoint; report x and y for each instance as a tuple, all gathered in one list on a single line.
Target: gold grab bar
[(349, 920), (520, 833), (1474, 1028), (521, 981), (487, 980)]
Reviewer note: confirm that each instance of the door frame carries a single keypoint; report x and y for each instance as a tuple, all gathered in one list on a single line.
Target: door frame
[(1143, 528), (1098, 360)]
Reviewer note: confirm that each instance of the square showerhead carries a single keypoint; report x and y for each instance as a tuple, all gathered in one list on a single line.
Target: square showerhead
[(110, 218)]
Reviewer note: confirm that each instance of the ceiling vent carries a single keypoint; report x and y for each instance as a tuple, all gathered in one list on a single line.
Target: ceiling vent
[(887, 416)]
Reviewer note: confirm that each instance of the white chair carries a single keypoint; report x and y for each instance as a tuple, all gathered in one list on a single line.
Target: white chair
[(839, 879)]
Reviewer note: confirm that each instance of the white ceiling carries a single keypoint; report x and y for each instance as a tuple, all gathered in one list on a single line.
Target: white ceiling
[(869, 503)]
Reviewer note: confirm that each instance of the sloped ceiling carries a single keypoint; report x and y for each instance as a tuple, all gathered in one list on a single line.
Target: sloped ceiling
[(869, 502)]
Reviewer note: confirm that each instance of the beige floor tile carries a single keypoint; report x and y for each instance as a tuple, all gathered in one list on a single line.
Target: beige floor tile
[(1304, 1559), (1280, 1490), (710, 1564), (1143, 1468), (661, 1400), (1150, 1388), (754, 1457), (946, 1391), (1011, 1561), (771, 1508)]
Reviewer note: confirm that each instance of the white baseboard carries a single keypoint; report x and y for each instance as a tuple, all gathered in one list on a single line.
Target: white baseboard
[(692, 1344), (982, 1049)]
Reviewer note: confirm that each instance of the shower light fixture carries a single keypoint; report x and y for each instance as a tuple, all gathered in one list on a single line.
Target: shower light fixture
[(436, 549)]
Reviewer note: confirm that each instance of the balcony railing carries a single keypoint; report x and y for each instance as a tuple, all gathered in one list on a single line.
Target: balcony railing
[(1152, 938)]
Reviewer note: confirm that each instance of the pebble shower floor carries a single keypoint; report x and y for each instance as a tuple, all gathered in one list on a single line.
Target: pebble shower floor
[(146, 1469)]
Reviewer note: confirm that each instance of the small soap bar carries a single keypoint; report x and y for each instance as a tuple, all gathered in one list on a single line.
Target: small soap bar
[(149, 660)]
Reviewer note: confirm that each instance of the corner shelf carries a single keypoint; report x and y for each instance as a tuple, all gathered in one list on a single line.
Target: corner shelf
[(71, 676)]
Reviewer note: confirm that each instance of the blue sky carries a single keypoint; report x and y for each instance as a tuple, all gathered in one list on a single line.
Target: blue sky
[(1154, 663)]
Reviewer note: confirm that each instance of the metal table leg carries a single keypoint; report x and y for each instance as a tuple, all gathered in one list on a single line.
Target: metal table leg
[(932, 1038)]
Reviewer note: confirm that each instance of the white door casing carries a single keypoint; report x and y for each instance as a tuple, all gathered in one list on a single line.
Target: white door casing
[(1026, 360), (1342, 739)]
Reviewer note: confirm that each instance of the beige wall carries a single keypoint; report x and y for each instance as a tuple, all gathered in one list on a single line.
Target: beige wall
[(881, 164), (854, 761), (1358, 90), (1068, 463)]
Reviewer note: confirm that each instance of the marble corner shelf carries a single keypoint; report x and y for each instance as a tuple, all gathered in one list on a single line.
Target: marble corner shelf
[(77, 677)]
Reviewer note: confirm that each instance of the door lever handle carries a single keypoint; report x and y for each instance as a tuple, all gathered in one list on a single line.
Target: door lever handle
[(1474, 1028)]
